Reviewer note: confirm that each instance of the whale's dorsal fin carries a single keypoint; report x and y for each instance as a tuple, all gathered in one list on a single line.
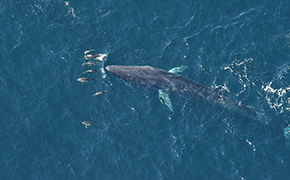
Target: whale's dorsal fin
[(164, 96)]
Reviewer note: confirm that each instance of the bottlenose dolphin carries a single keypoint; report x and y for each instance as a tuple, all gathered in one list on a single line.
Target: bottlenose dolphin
[(168, 82), (102, 92), (99, 57), (90, 71), (85, 79), (91, 56), (88, 123)]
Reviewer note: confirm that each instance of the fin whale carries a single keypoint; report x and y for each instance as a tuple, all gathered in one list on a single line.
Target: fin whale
[(169, 82)]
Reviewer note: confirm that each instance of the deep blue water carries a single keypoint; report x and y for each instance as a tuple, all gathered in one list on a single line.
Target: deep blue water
[(241, 48)]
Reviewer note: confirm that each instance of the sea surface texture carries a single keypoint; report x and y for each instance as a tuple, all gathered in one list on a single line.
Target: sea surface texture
[(241, 48)]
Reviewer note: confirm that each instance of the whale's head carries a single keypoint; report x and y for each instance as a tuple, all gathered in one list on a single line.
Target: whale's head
[(130, 73), (124, 72), (142, 75)]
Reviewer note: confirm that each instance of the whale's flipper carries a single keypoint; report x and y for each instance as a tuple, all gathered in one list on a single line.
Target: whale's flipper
[(179, 69), (164, 99), (163, 96)]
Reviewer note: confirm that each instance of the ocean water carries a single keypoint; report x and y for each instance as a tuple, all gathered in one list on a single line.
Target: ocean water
[(241, 48)]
